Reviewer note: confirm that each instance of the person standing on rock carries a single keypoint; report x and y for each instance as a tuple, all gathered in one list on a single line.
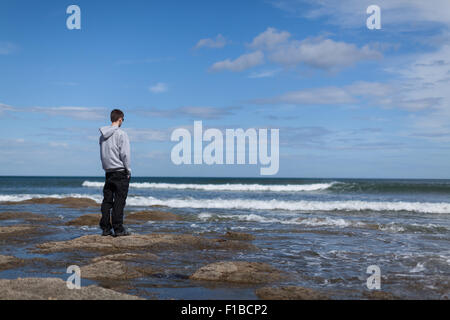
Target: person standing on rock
[(115, 156)]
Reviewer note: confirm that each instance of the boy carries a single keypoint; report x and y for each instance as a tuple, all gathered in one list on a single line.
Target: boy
[(115, 156)]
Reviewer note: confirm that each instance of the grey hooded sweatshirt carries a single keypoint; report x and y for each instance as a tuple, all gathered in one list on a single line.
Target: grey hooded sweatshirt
[(114, 149)]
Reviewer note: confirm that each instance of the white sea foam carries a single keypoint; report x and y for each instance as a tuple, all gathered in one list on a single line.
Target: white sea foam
[(222, 187), (251, 217), (311, 222), (303, 205), (249, 204), (22, 197), (318, 222), (418, 268), (204, 216), (391, 227), (88, 228)]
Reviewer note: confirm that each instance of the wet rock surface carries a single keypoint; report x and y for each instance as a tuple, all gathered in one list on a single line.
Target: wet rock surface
[(54, 289), (232, 235), (144, 241), (380, 295), (153, 215), (113, 270), (27, 216), (14, 229), (18, 233), (238, 272), (139, 217), (92, 219), (68, 202), (8, 262), (289, 293)]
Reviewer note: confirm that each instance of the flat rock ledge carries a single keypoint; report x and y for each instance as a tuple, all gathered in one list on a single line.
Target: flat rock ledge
[(17, 230), (232, 235), (238, 272), (92, 219), (68, 202), (9, 262), (289, 293), (27, 216), (153, 215), (113, 270), (380, 295), (142, 242), (55, 289)]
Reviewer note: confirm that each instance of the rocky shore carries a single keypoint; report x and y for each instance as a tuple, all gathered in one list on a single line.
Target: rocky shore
[(125, 267), (55, 289)]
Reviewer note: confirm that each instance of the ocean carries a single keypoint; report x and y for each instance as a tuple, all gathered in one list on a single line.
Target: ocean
[(324, 232)]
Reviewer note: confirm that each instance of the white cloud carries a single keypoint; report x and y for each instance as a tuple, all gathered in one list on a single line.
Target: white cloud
[(155, 155), (320, 53), (7, 48), (205, 112), (264, 74), (420, 87), (218, 42), (81, 113), (316, 96), (54, 144), (197, 112), (269, 39), (385, 95), (4, 108), (242, 63), (352, 13), (375, 89), (323, 54), (140, 135), (425, 82), (160, 87)]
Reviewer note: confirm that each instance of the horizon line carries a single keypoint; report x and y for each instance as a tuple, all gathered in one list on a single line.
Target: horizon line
[(218, 177)]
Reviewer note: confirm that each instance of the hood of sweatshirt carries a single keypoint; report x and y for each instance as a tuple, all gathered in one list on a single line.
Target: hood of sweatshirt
[(108, 131)]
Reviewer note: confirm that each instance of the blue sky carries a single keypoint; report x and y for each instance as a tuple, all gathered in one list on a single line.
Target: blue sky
[(348, 101)]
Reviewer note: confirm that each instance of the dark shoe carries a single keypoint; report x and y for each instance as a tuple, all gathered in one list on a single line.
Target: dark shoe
[(124, 233), (106, 233)]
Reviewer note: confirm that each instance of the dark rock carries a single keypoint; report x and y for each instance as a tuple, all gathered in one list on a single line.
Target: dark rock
[(112, 270), (379, 295), (16, 230), (54, 289), (141, 242), (28, 216), (68, 202), (85, 220), (153, 215), (9, 262), (239, 236), (238, 272), (289, 293)]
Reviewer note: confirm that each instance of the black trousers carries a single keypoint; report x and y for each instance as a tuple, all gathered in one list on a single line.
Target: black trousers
[(115, 194)]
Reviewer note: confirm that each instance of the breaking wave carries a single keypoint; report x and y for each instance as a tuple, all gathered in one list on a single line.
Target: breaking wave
[(303, 205), (251, 204), (222, 187)]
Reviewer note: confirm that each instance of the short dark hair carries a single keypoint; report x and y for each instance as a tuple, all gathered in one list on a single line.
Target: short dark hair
[(116, 114)]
